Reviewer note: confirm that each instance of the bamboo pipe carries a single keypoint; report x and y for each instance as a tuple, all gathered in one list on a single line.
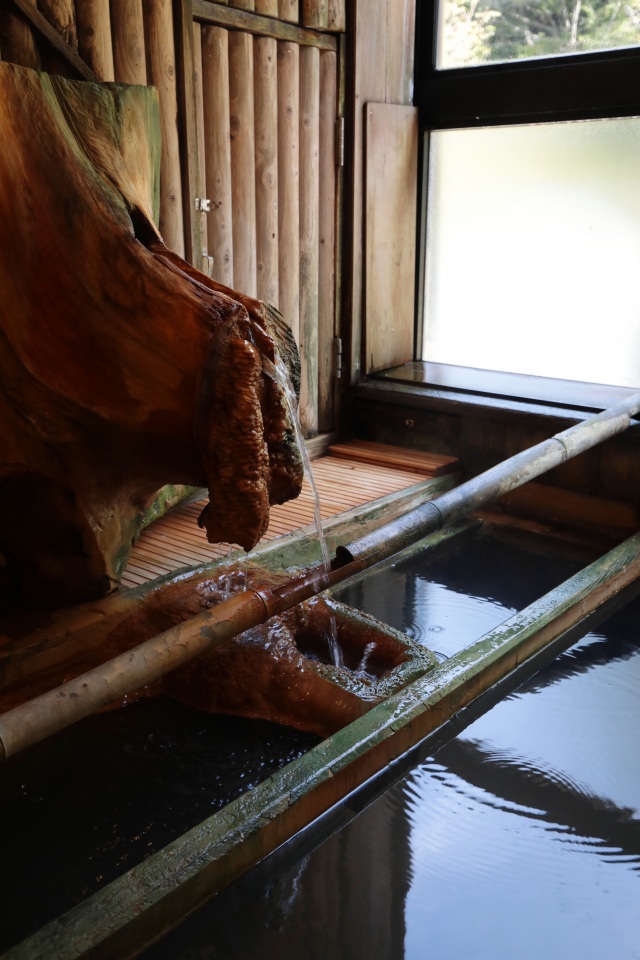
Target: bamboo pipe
[(490, 485), (70, 702)]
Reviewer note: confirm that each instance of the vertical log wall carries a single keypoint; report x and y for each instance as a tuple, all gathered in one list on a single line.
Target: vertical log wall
[(264, 85)]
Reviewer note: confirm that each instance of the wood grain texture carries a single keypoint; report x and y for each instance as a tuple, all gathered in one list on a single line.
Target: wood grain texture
[(315, 13), (215, 74), (267, 8), (400, 33), (242, 4), (187, 130), (289, 183), (309, 235), (417, 461), (260, 26), (95, 45), (265, 52), (374, 80), (175, 541), (327, 239), (289, 10), (61, 14), (114, 361), (17, 40), (161, 73), (390, 225), (127, 31), (243, 170), (336, 18), (200, 135)]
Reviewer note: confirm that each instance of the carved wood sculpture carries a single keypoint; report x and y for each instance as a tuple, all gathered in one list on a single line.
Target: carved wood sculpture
[(122, 368)]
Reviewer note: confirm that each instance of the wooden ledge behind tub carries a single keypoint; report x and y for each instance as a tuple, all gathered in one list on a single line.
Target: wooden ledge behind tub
[(175, 540)]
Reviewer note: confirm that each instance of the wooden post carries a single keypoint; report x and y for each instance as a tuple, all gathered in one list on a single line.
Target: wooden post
[(336, 16), (217, 148), (289, 183), (265, 52), (242, 4), (326, 255), (268, 8), (17, 39), (243, 172), (61, 14), (161, 72), (315, 13), (127, 31), (202, 163), (289, 10), (94, 37), (309, 203), (187, 129)]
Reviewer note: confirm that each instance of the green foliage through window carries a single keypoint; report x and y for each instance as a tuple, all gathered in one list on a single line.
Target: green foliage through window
[(481, 31)]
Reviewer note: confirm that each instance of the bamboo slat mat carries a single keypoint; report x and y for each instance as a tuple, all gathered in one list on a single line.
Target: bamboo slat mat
[(175, 540)]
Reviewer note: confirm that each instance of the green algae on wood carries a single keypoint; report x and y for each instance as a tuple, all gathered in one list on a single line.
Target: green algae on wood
[(146, 902)]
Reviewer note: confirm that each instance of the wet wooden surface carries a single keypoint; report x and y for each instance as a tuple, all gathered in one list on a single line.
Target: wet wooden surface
[(176, 541)]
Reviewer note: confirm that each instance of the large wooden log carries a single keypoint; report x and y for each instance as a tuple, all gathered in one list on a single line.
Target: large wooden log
[(122, 367)]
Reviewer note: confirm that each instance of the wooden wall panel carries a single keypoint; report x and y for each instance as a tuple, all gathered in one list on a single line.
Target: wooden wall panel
[(289, 183), (94, 37), (315, 13), (215, 73), (380, 27), (268, 8), (309, 233), (390, 221), (161, 72), (202, 162), (127, 30), (327, 238), (243, 170), (336, 16), (242, 4), (265, 67), (289, 10)]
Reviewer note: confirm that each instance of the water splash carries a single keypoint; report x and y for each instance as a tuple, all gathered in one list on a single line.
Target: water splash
[(281, 375)]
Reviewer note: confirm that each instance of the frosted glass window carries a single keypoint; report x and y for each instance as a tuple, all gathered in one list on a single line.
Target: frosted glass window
[(471, 32), (533, 250)]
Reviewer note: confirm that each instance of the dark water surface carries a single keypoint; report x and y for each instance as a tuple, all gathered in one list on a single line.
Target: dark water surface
[(80, 809), (518, 839)]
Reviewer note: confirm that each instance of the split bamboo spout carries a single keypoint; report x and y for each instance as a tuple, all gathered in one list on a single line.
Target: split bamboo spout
[(59, 708)]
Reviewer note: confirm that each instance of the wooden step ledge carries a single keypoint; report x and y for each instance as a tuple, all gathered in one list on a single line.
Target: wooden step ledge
[(382, 454)]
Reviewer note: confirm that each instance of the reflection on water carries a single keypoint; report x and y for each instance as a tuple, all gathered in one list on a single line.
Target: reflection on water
[(519, 839)]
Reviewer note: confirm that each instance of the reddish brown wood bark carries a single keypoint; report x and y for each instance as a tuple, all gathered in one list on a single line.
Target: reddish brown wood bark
[(121, 367)]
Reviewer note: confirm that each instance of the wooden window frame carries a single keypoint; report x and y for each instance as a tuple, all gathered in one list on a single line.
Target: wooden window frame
[(596, 85)]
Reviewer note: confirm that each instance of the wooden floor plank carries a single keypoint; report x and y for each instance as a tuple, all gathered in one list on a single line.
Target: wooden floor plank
[(176, 541)]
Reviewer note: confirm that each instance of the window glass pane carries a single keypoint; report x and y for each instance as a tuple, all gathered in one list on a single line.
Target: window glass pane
[(533, 250), (483, 31)]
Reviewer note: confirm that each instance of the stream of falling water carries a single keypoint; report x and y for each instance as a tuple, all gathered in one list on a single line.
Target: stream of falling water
[(281, 374)]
